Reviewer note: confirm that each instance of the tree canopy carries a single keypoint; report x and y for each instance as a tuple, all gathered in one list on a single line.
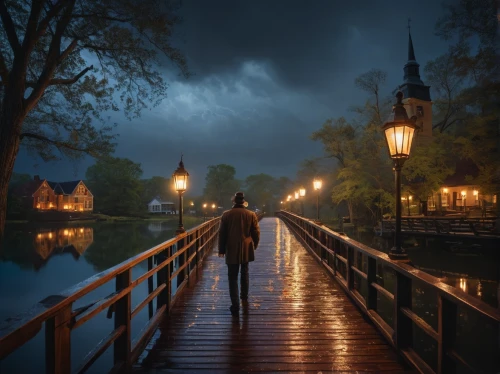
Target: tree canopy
[(116, 186)]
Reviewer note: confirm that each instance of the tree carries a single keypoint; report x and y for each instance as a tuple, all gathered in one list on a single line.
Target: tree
[(220, 184), (65, 63), (428, 167), (260, 190), (478, 133), (116, 186), (156, 187)]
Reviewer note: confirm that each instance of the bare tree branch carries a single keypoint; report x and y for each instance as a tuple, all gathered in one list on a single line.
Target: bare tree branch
[(70, 80), (56, 143), (30, 35), (53, 57), (42, 27), (9, 27)]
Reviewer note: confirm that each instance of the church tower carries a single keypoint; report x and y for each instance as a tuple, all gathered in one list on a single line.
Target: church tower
[(417, 98)]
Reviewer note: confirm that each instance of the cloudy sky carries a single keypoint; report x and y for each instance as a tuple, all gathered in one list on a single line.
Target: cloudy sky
[(266, 74)]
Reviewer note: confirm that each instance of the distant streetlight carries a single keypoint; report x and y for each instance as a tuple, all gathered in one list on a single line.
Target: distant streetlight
[(317, 183), (302, 193), (296, 194), (289, 199), (180, 183), (399, 131), (213, 209), (204, 211)]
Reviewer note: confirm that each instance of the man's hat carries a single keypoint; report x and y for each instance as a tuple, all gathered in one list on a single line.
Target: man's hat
[(239, 198)]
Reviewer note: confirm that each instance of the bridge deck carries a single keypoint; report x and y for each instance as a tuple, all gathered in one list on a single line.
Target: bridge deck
[(297, 319)]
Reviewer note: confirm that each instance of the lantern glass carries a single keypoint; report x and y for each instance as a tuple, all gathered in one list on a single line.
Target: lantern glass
[(399, 138), (296, 195), (180, 182), (317, 184), (302, 192)]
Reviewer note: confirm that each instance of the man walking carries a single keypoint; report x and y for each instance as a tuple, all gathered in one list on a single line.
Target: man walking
[(239, 236)]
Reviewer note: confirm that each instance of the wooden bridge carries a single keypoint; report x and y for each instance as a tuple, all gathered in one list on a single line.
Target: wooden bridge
[(335, 305), (297, 319)]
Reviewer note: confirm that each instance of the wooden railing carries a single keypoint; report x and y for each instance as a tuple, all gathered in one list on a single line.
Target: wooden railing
[(60, 317), (443, 226), (451, 331)]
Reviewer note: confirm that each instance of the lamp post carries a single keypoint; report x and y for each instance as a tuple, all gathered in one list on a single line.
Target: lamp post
[(204, 211), (302, 193), (213, 209), (296, 194), (180, 183), (399, 131), (317, 183), (289, 199)]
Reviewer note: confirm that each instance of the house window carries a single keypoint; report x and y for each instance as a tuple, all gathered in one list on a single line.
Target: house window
[(76, 199), (90, 204), (420, 111), (81, 189)]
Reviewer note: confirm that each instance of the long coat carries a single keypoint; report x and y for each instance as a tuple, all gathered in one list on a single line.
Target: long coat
[(239, 235)]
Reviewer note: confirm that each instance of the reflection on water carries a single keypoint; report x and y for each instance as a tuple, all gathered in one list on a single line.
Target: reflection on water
[(73, 240), (41, 260), (471, 267)]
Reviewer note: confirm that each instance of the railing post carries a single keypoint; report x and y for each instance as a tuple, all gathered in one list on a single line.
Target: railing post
[(371, 297), (150, 287), (336, 245), (163, 277), (182, 261), (350, 272), (122, 345), (447, 324), (402, 325), (58, 342)]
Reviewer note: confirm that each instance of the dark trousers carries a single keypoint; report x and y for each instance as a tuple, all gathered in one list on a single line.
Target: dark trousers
[(232, 272)]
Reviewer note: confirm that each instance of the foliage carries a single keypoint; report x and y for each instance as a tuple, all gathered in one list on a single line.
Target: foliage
[(358, 146), (116, 186), (157, 187), (260, 190), (428, 167), (473, 71), (220, 184), (15, 204)]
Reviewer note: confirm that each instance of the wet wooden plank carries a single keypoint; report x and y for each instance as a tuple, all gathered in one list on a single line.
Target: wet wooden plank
[(297, 319)]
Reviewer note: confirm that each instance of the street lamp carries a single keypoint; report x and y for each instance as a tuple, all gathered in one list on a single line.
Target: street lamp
[(180, 183), (204, 211), (317, 183), (213, 209), (302, 193), (399, 131), (289, 199), (296, 194)]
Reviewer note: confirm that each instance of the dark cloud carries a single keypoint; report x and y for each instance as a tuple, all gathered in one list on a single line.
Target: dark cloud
[(266, 75)]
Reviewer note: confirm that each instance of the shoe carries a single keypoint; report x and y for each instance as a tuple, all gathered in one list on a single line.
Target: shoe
[(244, 298), (235, 312)]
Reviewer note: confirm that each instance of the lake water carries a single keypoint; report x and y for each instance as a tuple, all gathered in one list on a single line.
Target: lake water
[(470, 265), (41, 260)]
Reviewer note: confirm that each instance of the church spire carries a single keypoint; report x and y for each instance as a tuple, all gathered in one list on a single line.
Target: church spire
[(413, 85), (411, 69), (411, 52)]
